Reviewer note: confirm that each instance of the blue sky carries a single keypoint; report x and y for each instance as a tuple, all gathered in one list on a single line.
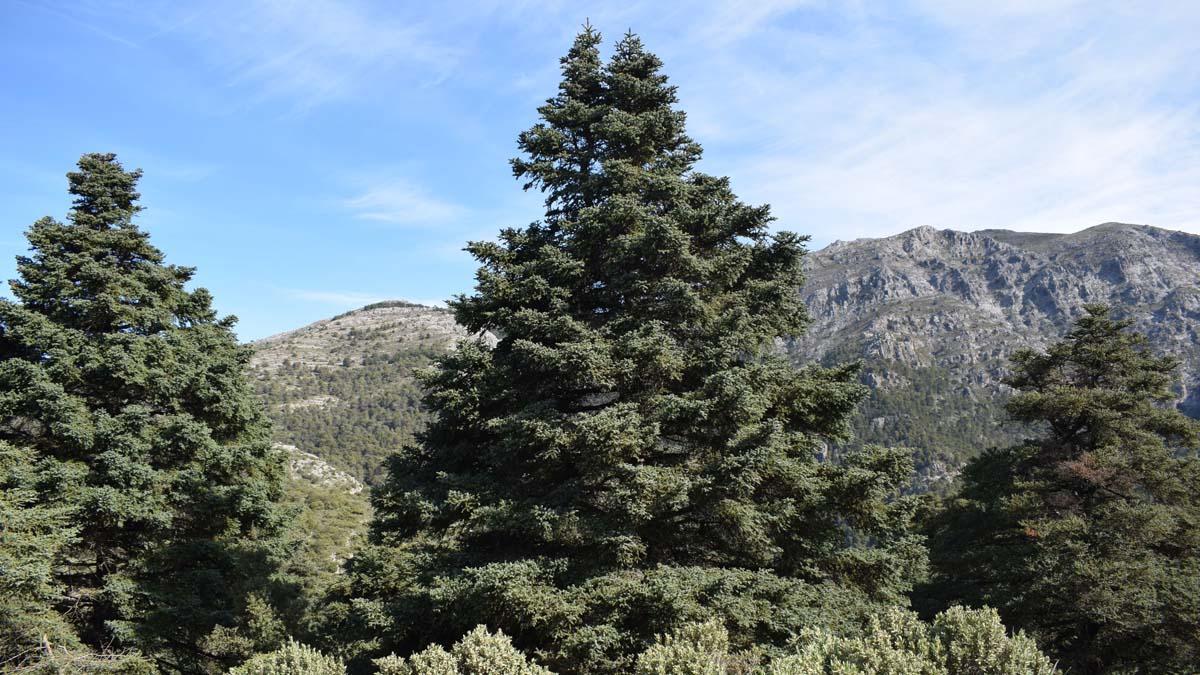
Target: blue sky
[(310, 157)]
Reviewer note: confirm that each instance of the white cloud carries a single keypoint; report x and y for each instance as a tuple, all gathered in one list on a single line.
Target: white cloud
[(314, 51), (1039, 115), (398, 201), (851, 118), (345, 299)]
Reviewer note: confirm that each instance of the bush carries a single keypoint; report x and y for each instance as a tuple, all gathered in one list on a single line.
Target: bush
[(959, 642), (291, 659), (477, 653), (57, 660), (896, 642), (694, 649)]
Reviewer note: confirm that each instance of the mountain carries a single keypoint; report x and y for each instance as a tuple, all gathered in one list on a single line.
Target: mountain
[(932, 314), (344, 389), (935, 314)]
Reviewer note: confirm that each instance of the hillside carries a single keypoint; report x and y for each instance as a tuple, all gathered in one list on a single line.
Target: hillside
[(331, 516), (933, 315), (344, 388)]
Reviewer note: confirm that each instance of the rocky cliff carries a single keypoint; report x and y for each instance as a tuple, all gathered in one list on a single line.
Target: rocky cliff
[(935, 314), (932, 314)]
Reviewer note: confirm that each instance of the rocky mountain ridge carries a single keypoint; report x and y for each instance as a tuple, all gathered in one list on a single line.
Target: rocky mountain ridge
[(933, 315)]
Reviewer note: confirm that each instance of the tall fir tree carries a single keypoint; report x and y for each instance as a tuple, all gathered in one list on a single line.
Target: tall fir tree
[(631, 454), (128, 390), (1089, 536)]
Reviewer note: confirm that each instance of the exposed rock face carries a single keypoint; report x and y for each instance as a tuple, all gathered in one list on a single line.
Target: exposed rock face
[(935, 314), (308, 467)]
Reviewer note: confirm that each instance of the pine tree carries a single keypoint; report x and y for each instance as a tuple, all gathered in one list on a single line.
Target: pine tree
[(130, 389), (35, 526), (632, 453), (1089, 536)]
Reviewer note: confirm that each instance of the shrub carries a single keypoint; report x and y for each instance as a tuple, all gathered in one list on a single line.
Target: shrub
[(694, 649), (959, 642), (896, 642), (477, 653), (291, 659)]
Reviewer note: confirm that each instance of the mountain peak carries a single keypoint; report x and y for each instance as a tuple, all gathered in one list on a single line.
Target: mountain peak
[(935, 314)]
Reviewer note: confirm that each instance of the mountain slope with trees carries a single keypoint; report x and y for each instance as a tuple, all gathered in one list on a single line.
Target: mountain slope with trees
[(345, 388), (933, 314)]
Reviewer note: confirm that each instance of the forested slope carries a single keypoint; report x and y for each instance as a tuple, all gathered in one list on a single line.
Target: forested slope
[(933, 315)]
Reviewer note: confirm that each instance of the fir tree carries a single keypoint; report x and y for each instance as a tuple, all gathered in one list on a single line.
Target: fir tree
[(632, 453), (127, 386), (1089, 536), (35, 527)]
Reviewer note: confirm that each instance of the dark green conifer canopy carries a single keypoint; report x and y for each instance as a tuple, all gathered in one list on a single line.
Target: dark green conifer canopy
[(632, 452), (1087, 536), (129, 389)]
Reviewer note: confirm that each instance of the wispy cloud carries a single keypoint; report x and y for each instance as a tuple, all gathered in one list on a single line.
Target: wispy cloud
[(343, 299), (85, 16), (866, 119), (399, 201), (312, 52)]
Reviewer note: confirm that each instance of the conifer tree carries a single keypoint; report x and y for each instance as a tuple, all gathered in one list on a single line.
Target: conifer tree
[(128, 390), (1088, 537), (632, 453), (35, 526)]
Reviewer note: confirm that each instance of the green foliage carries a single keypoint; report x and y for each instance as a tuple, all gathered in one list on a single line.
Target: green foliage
[(694, 649), (959, 642), (329, 524), (127, 392), (60, 660), (1086, 537), (477, 653), (633, 453), (896, 642), (292, 658), (375, 404), (35, 527)]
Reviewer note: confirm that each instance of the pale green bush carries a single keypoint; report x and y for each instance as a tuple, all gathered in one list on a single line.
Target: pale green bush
[(62, 661), (896, 642), (959, 642), (291, 659), (694, 649), (477, 653)]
